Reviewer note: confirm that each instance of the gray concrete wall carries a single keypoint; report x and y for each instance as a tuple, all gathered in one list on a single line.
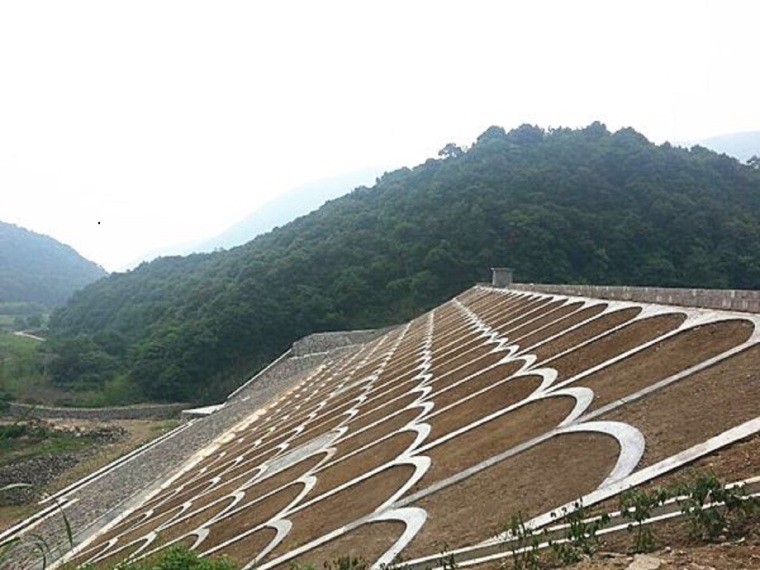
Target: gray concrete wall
[(323, 342), (281, 369), (142, 412), (306, 354), (725, 299)]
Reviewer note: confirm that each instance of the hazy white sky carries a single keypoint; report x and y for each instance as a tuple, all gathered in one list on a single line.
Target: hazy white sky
[(125, 126)]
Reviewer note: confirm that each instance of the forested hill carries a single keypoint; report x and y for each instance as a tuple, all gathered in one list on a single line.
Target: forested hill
[(38, 269), (573, 206)]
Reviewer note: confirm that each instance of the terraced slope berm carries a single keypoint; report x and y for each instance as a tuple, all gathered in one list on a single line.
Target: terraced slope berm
[(495, 402)]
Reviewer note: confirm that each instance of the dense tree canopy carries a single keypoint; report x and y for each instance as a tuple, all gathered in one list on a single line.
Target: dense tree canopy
[(572, 206)]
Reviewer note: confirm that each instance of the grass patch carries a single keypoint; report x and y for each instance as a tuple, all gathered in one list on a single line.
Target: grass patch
[(178, 558), (24, 440), (11, 344), (22, 367)]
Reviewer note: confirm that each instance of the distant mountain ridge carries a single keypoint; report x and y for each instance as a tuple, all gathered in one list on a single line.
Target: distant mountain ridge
[(37, 268), (279, 211), (288, 206), (741, 146)]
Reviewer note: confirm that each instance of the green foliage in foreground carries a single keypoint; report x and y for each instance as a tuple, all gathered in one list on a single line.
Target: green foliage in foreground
[(712, 511), (179, 558), (560, 206)]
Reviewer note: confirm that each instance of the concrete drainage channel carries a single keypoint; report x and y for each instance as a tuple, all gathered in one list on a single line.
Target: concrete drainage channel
[(501, 548)]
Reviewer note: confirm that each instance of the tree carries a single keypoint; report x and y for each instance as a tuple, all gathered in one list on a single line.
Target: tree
[(450, 151), (526, 134)]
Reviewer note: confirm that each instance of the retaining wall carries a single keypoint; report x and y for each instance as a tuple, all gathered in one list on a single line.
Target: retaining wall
[(306, 354), (725, 299), (281, 369), (141, 412), (325, 341)]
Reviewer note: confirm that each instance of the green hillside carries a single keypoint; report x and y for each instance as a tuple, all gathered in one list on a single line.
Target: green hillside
[(38, 269), (573, 206)]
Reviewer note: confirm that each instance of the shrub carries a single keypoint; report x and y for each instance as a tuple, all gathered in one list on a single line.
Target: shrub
[(710, 521), (581, 536), (636, 505)]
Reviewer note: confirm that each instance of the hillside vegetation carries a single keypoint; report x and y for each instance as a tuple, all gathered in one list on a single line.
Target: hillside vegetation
[(36, 269), (573, 206)]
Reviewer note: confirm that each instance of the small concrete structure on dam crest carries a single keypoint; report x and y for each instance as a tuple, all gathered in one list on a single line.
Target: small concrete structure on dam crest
[(506, 399), (501, 277)]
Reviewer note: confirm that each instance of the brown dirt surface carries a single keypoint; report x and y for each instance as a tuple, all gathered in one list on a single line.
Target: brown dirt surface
[(391, 425), (371, 458), (192, 521), (551, 473), (510, 323), (617, 342), (491, 401), (137, 524), (686, 413), (736, 462), (368, 542), (379, 386), (496, 315), (283, 477), (247, 548), (460, 357), (542, 320), (558, 326), (530, 483), (347, 394), (440, 395), (464, 338), (472, 367), (250, 464), (391, 392), (369, 414), (497, 306), (521, 387), (250, 516), (494, 437), (168, 511), (585, 332), (319, 428), (196, 482), (343, 507), (392, 373), (677, 551), (679, 352), (113, 559)]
